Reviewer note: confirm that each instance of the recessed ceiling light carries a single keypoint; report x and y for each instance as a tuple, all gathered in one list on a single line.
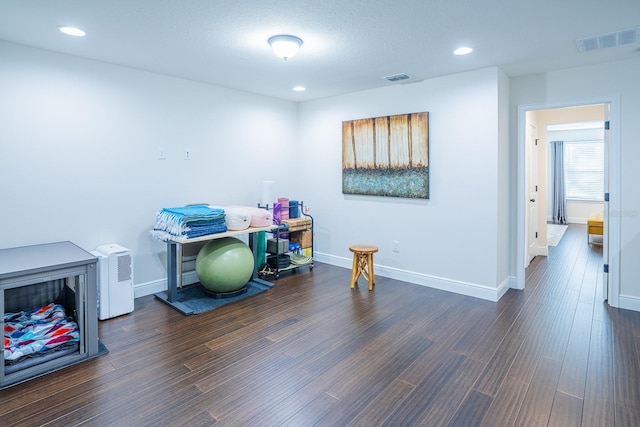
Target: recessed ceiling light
[(71, 31), (462, 51), (299, 88)]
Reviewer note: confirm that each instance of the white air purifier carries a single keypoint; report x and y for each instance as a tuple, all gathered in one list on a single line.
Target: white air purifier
[(115, 280)]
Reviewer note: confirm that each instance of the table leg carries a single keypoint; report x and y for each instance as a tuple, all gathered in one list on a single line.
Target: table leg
[(172, 273)]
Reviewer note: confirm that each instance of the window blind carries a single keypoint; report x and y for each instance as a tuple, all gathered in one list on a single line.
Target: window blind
[(583, 158), (584, 170)]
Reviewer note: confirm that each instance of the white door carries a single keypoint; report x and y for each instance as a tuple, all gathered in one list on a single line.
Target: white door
[(532, 193)]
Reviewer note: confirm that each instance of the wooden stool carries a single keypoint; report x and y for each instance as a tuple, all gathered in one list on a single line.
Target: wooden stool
[(363, 264)]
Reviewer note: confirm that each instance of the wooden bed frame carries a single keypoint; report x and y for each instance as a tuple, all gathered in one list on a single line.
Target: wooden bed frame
[(595, 225)]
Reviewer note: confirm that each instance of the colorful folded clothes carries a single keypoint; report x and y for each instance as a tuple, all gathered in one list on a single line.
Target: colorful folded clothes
[(188, 222), (36, 332)]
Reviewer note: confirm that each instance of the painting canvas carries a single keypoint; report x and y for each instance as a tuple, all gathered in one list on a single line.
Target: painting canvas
[(386, 156)]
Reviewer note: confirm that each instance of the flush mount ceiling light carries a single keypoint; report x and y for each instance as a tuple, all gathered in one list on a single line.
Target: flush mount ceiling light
[(299, 88), (71, 31), (285, 46), (462, 51)]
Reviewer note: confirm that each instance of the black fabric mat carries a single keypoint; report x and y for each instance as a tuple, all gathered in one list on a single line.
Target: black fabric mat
[(196, 298)]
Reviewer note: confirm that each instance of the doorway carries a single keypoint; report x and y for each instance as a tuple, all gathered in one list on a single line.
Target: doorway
[(532, 121)]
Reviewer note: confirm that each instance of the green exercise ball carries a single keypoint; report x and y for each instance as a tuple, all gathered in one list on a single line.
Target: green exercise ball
[(224, 265)]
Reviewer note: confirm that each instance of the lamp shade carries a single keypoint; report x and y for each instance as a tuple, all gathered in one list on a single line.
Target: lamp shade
[(285, 46)]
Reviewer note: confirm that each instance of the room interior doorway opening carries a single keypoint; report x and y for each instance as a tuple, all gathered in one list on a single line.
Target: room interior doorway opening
[(532, 121)]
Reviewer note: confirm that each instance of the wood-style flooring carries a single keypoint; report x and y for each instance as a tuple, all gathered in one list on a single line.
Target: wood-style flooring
[(312, 352)]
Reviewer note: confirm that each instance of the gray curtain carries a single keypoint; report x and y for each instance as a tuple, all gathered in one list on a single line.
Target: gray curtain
[(559, 204)]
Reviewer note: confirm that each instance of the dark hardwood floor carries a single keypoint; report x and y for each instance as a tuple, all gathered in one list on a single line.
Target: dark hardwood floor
[(311, 351)]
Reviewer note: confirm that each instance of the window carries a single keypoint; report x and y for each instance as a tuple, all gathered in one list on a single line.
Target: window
[(584, 170), (583, 158)]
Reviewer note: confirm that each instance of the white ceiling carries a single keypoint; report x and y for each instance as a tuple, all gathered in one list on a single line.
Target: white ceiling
[(348, 44)]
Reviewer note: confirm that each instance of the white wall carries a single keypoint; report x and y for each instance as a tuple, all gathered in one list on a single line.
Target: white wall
[(449, 241), (578, 211), (79, 143), (608, 80)]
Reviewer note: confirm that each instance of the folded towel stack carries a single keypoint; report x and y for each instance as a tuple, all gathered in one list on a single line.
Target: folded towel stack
[(188, 222)]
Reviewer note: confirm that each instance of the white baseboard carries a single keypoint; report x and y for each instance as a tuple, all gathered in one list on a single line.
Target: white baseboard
[(456, 286), (576, 220), (155, 286), (629, 302), (509, 283)]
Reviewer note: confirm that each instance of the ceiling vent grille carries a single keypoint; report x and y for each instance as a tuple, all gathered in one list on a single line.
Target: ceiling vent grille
[(605, 41), (397, 77)]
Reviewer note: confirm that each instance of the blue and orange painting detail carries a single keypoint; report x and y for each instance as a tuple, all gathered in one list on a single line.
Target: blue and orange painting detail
[(386, 156)]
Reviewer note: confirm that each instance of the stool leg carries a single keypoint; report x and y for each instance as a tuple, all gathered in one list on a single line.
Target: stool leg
[(371, 275), (354, 271)]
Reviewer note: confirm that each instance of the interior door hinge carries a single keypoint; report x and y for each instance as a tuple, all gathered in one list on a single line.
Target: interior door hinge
[(606, 125), (536, 141), (536, 234), (606, 197), (606, 268)]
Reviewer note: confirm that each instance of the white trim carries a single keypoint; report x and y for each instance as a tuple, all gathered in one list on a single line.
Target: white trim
[(155, 286), (615, 177), (465, 288), (576, 220), (521, 263), (629, 302), (149, 288), (456, 286), (508, 283), (613, 169)]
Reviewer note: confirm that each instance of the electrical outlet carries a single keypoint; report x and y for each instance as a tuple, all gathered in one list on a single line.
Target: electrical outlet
[(187, 154), (162, 155), (396, 246)]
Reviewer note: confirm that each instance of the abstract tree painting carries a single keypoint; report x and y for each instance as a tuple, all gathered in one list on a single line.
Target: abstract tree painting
[(386, 156)]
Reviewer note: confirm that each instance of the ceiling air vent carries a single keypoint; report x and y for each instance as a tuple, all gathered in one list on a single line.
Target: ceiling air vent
[(397, 77), (603, 41)]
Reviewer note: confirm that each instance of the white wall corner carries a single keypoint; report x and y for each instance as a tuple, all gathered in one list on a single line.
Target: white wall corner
[(543, 250), (509, 282)]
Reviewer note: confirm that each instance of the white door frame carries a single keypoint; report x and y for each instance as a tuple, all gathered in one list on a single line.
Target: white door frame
[(531, 220), (612, 221)]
